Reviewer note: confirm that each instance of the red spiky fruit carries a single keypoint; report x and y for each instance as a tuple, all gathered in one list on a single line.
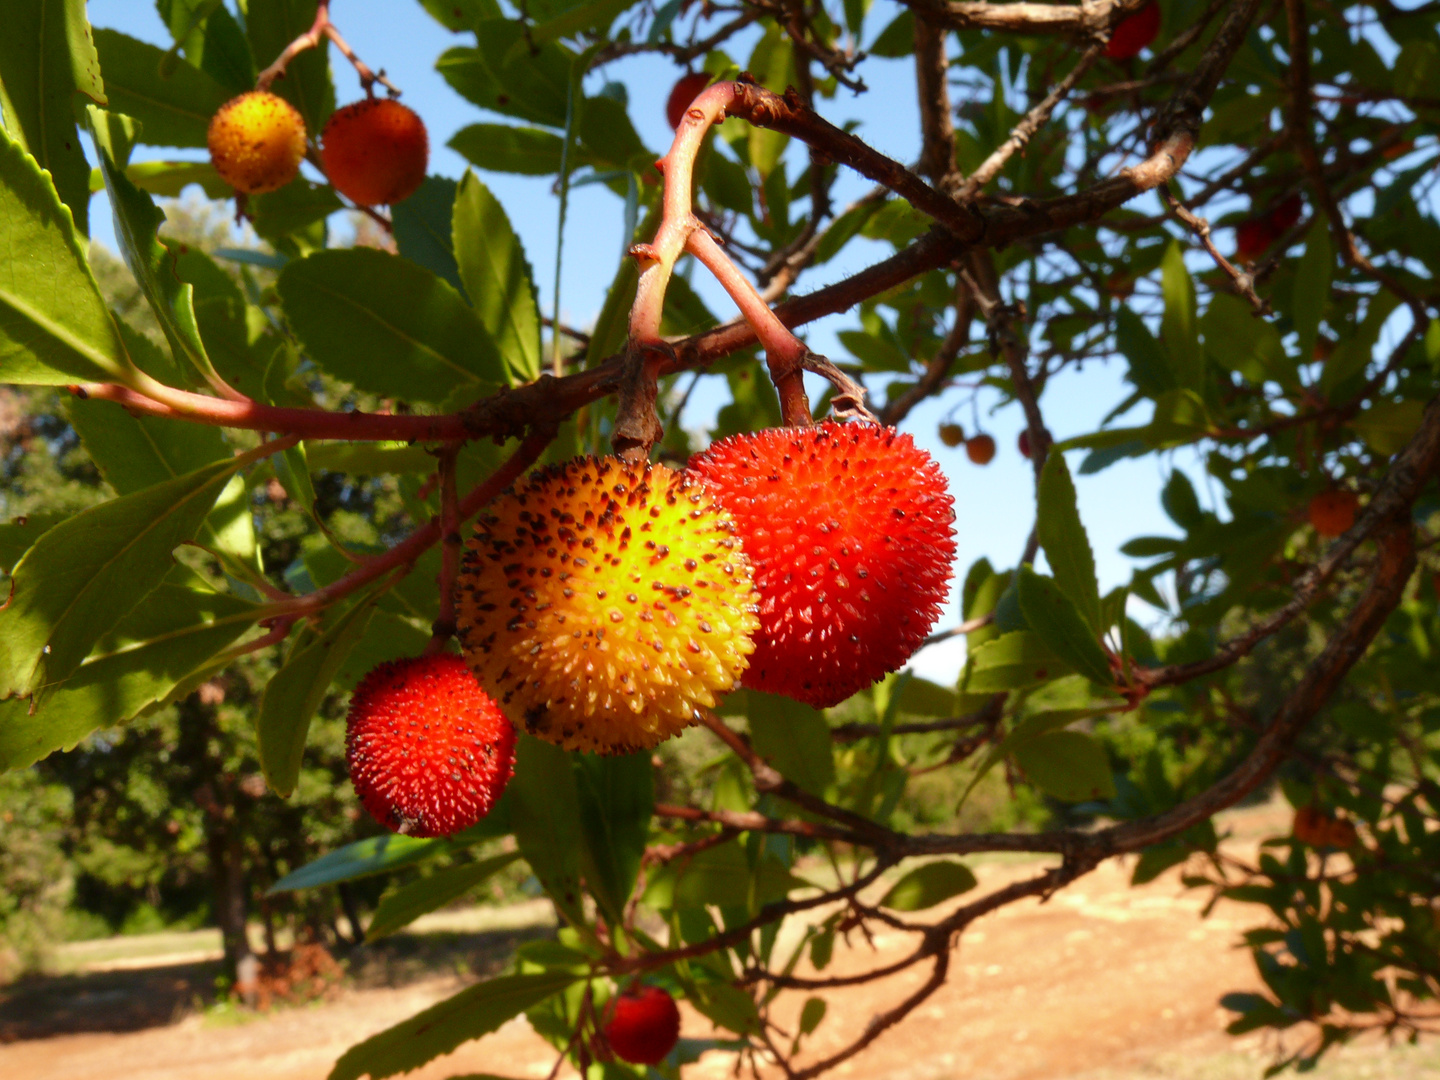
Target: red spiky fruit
[(1333, 512), (980, 449), (429, 751), (685, 91), (375, 151), (1134, 32), (604, 603), (643, 1025), (256, 142), (850, 530)]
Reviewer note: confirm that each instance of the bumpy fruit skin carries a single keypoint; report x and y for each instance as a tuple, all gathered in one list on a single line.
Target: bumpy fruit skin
[(685, 91), (952, 434), (429, 750), (980, 449), (850, 530), (603, 603), (1134, 32), (375, 151), (1333, 512), (643, 1025), (256, 141)]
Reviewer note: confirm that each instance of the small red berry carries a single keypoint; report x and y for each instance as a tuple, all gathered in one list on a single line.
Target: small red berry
[(952, 434), (643, 1025), (1024, 442), (981, 449), (1333, 512), (1254, 237), (1134, 32), (375, 151), (1286, 213), (685, 91), (849, 528), (429, 751)]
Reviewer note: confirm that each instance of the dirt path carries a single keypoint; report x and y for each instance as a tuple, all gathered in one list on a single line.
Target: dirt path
[(1103, 982)]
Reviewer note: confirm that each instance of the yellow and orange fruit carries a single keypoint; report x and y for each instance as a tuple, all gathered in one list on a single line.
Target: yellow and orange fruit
[(375, 151), (256, 141), (603, 603)]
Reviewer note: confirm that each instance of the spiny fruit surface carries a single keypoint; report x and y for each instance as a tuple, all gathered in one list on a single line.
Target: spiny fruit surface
[(429, 750), (603, 603), (850, 530), (375, 151), (256, 142), (980, 449), (1134, 32), (685, 91), (644, 1025), (1333, 512)]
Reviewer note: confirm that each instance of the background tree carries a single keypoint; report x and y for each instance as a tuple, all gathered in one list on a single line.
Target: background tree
[(1064, 212)]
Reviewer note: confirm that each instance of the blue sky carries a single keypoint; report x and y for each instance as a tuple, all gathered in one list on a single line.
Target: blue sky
[(995, 505)]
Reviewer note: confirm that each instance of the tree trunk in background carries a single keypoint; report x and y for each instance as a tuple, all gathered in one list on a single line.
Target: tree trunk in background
[(227, 875)]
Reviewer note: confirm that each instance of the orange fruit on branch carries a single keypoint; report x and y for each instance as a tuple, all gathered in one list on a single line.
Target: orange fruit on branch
[(375, 151), (256, 141)]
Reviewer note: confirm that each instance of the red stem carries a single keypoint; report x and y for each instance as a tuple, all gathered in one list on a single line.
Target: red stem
[(450, 542)]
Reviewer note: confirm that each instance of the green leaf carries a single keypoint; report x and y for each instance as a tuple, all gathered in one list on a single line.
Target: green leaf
[(54, 325), (792, 736), (173, 109), (47, 58), (1149, 366), (388, 326), (497, 278), (296, 691), (928, 885), (616, 796), (1058, 622), (1062, 535), (363, 858), (1012, 661), (529, 85), (527, 151), (137, 220), (1067, 765), (173, 631), (587, 15), (1388, 425), (422, 229), (1178, 327), (19, 536), (1239, 340), (722, 876), (403, 906), (812, 1014), (1312, 287), (169, 178), (1180, 417), (211, 39), (87, 573), (1352, 356), (547, 821), (473, 1012), (273, 24), (726, 1005), (457, 15), (293, 218)]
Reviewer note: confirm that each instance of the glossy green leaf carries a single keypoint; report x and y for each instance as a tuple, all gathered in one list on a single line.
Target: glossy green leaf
[(497, 277), (586, 15), (792, 736), (1055, 619), (475, 1011), (54, 326), (423, 230), (1068, 765), (363, 858), (169, 178), (211, 39), (404, 905), (296, 691), (722, 876), (273, 24), (1388, 425), (87, 573), (616, 798), (460, 15), (547, 821), (1312, 287), (388, 326), (1018, 659), (1179, 328), (173, 631), (504, 148), (1239, 340), (529, 85), (1352, 356), (928, 885), (19, 536), (173, 110), (47, 61), (1062, 535)]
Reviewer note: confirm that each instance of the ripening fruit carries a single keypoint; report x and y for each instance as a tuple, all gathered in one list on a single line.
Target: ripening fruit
[(603, 603), (1340, 834), (375, 151), (952, 434), (850, 530), (1253, 238), (1024, 442), (1134, 32), (643, 1025), (980, 449), (1286, 213), (685, 91), (256, 141), (429, 750), (1318, 829), (1333, 512)]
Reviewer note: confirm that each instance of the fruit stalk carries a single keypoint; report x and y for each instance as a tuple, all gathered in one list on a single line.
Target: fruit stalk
[(443, 629), (320, 29)]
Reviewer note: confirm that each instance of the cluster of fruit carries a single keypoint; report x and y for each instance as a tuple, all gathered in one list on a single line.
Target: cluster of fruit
[(980, 449), (602, 604), (374, 151)]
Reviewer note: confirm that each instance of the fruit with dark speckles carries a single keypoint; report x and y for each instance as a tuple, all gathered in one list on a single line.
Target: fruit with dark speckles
[(375, 151), (256, 142)]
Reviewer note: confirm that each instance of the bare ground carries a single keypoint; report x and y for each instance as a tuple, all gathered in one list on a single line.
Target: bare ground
[(1104, 982)]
